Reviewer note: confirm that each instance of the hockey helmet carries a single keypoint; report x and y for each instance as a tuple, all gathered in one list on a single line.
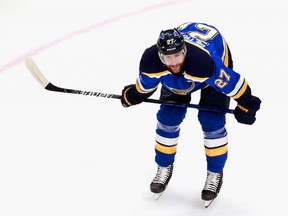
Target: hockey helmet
[(170, 41)]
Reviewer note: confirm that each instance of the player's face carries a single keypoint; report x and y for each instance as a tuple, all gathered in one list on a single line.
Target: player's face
[(175, 61)]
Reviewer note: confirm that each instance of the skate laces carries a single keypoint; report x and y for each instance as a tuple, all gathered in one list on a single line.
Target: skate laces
[(162, 175), (212, 181)]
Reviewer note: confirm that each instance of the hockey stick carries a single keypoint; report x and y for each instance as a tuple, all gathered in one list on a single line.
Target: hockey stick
[(38, 75)]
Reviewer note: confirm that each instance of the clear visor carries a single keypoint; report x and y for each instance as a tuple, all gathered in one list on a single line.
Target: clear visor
[(173, 59)]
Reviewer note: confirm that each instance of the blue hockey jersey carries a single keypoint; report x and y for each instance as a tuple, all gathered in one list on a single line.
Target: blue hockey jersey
[(207, 62)]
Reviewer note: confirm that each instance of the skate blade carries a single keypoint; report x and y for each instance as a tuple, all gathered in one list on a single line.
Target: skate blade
[(208, 203), (157, 195)]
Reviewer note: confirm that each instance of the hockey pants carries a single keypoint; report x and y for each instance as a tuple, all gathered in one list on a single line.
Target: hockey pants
[(212, 123)]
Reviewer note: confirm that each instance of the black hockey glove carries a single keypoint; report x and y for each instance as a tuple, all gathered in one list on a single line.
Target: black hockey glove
[(130, 96), (246, 114)]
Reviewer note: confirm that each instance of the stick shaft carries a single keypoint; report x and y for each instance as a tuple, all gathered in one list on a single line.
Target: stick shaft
[(52, 87), (38, 75)]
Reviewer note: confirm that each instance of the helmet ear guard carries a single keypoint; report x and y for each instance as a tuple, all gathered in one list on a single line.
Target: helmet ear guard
[(170, 41)]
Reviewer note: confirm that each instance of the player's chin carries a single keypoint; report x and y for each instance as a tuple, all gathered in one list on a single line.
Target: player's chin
[(175, 68)]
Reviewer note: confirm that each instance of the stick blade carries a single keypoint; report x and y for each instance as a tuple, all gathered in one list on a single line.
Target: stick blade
[(35, 71)]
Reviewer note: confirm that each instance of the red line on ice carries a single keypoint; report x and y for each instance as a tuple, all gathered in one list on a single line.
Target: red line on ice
[(94, 26)]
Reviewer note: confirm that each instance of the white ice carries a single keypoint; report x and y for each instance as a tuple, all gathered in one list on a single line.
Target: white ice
[(64, 154)]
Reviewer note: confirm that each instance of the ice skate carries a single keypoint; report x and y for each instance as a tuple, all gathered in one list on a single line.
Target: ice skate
[(161, 180), (212, 187)]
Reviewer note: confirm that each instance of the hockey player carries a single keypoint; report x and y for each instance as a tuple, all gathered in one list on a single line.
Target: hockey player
[(193, 57)]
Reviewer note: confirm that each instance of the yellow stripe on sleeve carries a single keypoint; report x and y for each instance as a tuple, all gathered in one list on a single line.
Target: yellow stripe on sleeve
[(144, 92), (241, 91), (226, 57), (194, 78), (157, 75)]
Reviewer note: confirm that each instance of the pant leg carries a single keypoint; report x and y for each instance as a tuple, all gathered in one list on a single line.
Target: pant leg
[(213, 126), (168, 128)]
